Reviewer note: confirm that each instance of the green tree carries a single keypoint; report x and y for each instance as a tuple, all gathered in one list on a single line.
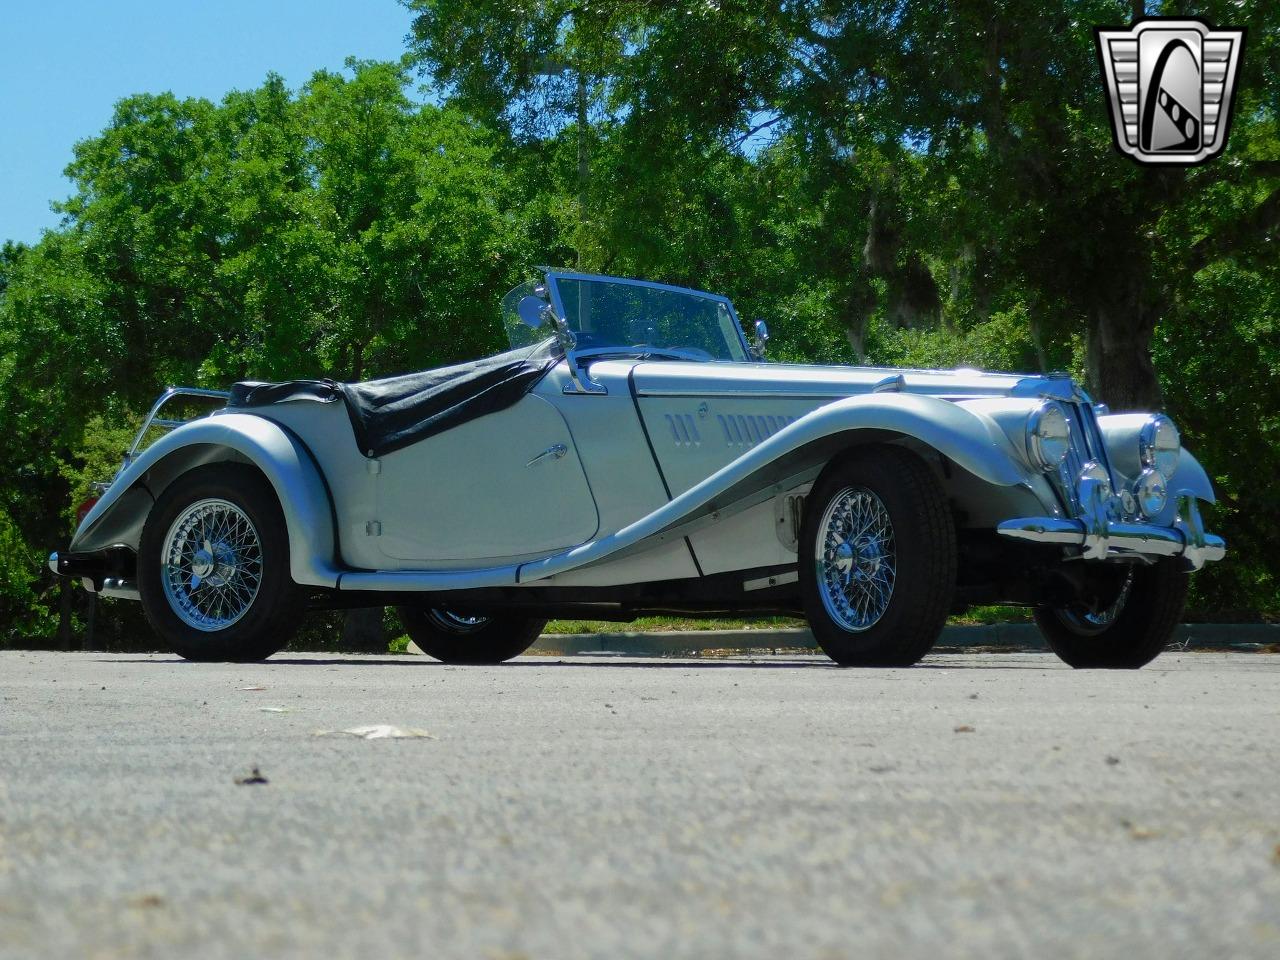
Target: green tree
[(345, 230)]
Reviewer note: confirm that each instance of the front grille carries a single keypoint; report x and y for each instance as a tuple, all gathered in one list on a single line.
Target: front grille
[(1086, 445)]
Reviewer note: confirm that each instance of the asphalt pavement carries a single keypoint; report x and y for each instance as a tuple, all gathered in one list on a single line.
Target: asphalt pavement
[(985, 805)]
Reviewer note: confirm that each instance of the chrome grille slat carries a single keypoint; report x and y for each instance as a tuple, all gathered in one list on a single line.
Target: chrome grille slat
[(1093, 434), (1084, 446)]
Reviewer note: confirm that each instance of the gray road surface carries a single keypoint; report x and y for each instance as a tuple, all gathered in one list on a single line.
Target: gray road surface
[(978, 805)]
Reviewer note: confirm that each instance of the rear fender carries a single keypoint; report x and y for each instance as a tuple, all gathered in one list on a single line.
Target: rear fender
[(117, 519)]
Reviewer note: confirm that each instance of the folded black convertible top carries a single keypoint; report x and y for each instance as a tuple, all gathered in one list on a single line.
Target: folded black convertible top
[(391, 414)]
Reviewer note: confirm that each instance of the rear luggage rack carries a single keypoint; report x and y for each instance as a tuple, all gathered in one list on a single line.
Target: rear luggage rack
[(154, 420)]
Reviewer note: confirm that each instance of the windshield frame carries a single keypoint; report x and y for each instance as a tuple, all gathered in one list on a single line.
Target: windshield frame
[(553, 289)]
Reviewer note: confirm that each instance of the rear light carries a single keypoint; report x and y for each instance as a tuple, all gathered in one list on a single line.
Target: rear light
[(82, 511)]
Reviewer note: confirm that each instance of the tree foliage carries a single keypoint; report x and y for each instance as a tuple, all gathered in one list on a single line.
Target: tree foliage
[(887, 182)]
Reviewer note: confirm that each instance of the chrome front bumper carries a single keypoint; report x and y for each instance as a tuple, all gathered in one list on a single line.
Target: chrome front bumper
[(1101, 538)]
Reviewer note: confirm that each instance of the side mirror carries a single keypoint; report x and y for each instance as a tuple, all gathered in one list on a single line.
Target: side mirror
[(761, 342), (530, 309)]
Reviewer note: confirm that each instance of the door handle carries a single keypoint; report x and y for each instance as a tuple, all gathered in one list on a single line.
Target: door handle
[(555, 452)]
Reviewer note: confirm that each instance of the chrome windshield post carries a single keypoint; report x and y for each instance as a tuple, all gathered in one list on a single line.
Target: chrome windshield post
[(536, 310), (579, 379)]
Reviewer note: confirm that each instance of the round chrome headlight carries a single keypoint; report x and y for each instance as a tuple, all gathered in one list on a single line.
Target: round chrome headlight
[(1159, 445), (1048, 435), (1150, 492)]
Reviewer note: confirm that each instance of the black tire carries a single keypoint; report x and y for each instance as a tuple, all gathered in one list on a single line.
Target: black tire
[(272, 614), (1134, 635), (924, 549), (450, 639)]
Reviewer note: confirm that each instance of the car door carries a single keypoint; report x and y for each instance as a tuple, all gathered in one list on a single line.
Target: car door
[(502, 486)]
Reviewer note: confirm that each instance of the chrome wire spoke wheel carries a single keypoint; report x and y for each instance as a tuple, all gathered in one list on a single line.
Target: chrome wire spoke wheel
[(455, 622), (211, 564), (856, 559)]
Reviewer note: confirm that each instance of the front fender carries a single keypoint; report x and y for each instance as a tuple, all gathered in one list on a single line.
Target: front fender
[(286, 463), (799, 450), (966, 437), (1120, 433), (1190, 478)]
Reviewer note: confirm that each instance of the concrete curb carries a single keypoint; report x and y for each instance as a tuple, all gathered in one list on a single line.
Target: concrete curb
[(1008, 636)]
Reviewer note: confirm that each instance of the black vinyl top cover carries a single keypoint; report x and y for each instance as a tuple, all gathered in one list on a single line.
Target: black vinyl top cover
[(391, 414)]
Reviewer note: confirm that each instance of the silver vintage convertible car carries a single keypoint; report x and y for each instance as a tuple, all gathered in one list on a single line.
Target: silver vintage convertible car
[(634, 454)]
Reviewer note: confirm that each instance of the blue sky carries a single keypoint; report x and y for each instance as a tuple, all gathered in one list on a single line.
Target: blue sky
[(64, 63)]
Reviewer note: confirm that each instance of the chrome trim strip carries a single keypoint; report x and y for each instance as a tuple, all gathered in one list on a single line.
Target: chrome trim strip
[(835, 393), (777, 580)]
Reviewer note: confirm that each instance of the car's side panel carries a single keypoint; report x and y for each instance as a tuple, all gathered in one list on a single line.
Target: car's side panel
[(612, 444), (744, 541), (624, 478), (505, 485), (693, 437), (668, 561)]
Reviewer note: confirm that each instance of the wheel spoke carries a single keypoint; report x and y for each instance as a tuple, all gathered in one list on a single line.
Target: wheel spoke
[(856, 559), (211, 564)]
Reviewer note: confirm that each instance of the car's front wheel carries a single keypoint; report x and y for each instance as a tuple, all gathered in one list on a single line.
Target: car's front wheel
[(213, 566), (877, 558), (458, 638), (1124, 630)]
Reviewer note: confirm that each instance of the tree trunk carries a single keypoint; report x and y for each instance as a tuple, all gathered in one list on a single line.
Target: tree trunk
[(853, 310), (1037, 341), (362, 631), (91, 624), (584, 165), (65, 639), (1121, 373)]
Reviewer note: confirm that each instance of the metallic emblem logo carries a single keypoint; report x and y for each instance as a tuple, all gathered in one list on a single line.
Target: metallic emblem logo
[(1170, 84)]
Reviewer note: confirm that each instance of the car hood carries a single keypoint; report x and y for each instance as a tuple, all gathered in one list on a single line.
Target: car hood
[(801, 380)]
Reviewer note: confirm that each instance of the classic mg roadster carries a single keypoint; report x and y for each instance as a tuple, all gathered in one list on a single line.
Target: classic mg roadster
[(634, 453)]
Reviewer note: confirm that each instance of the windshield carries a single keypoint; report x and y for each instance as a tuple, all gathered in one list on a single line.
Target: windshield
[(606, 313)]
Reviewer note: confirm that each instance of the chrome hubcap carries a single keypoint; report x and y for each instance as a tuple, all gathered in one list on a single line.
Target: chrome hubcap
[(1087, 621), (211, 565), (856, 559), (456, 622)]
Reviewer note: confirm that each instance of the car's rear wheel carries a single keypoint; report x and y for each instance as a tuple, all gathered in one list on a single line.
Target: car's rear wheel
[(1124, 630), (877, 558), (459, 638), (213, 566)]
